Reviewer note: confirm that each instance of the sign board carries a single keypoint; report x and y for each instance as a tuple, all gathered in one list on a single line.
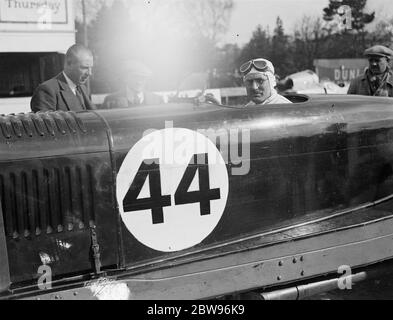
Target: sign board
[(36, 25), (36, 16), (34, 11), (340, 70)]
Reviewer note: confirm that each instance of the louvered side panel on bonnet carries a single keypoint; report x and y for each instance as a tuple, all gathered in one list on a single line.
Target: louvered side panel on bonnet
[(48, 200), (5, 280), (58, 185)]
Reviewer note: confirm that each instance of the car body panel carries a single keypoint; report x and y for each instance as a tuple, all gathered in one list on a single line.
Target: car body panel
[(310, 163)]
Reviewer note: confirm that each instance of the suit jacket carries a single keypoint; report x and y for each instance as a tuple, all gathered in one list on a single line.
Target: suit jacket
[(361, 86), (119, 100), (55, 94)]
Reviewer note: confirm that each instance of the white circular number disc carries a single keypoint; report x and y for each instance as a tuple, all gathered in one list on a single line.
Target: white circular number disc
[(183, 226)]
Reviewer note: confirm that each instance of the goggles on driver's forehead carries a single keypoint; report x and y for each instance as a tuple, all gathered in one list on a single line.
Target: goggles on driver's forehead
[(260, 65)]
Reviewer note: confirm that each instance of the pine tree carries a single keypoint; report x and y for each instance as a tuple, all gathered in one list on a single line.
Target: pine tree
[(259, 46), (356, 33), (280, 55)]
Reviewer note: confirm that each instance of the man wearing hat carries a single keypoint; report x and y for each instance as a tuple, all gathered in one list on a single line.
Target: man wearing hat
[(133, 94), (378, 78), (260, 81)]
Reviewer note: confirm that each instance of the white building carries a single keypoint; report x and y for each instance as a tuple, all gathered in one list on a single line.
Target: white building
[(34, 35)]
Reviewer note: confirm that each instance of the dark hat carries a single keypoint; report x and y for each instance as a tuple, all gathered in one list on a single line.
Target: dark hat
[(135, 67), (379, 51)]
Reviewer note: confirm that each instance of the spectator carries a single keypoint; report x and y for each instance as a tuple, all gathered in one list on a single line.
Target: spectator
[(378, 78), (134, 92), (67, 91)]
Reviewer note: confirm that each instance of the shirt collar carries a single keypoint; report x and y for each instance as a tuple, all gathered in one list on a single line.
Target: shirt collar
[(271, 98), (70, 83)]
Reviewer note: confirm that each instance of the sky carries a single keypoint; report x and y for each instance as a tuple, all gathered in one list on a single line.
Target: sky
[(247, 14)]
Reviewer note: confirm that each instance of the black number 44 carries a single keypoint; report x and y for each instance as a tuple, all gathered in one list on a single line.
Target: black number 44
[(150, 169)]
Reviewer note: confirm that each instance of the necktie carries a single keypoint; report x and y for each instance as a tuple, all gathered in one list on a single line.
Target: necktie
[(80, 97)]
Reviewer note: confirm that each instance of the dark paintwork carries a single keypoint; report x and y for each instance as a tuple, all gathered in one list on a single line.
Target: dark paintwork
[(55, 182), (5, 280), (143, 280), (326, 154), (307, 160)]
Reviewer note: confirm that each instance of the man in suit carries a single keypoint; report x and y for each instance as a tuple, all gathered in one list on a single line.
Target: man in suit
[(67, 91), (134, 93)]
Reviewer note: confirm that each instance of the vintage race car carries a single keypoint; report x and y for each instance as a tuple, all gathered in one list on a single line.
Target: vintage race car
[(186, 201)]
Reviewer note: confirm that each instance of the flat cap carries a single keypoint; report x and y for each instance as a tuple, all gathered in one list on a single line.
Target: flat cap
[(379, 51), (135, 67)]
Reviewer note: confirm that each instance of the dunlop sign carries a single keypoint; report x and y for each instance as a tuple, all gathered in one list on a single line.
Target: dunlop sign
[(34, 11)]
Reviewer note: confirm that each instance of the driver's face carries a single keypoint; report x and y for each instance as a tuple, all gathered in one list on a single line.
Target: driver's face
[(258, 88)]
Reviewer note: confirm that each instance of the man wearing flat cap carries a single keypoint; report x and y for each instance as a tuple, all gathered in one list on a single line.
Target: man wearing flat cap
[(260, 81), (133, 94), (378, 78)]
